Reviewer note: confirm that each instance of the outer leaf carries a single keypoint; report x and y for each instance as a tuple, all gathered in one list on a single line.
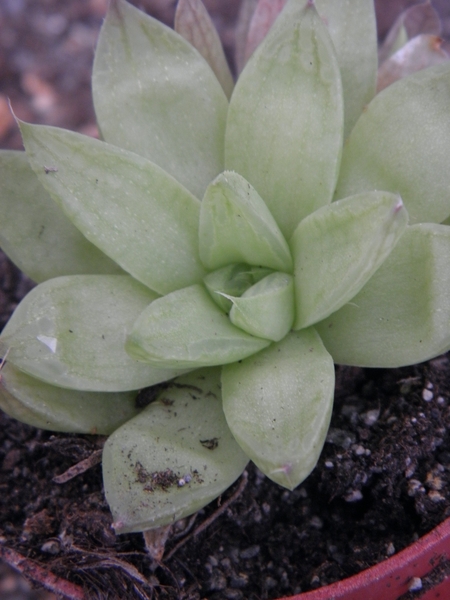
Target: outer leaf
[(70, 332), (353, 29), (155, 95), (284, 129), (172, 459), (124, 204), (419, 53), (399, 146), (339, 247), (35, 233), (278, 405), (402, 315), (236, 226), (267, 308), (48, 407), (193, 22), (186, 329)]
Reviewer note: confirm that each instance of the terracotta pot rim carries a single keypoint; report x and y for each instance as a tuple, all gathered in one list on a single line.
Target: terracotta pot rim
[(391, 578)]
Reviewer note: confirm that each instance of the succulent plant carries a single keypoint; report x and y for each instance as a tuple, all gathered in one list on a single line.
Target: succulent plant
[(203, 266)]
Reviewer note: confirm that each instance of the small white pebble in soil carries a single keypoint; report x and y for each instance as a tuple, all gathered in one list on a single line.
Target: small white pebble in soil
[(415, 584), (301, 492), (427, 395), (250, 552), (213, 560), (440, 400), (359, 450), (410, 471), (390, 550), (415, 487), (50, 547), (435, 496), (353, 496), (370, 417), (429, 385), (413, 420), (316, 522), (329, 464), (266, 508)]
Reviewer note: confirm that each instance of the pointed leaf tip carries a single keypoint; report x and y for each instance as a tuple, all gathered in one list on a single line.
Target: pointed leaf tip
[(155, 95)]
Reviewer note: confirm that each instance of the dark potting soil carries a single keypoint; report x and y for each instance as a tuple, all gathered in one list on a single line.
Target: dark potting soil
[(382, 481), (383, 477)]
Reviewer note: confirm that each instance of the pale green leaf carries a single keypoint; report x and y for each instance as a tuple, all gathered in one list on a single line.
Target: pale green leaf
[(339, 247), (127, 206), (232, 280), (236, 226), (278, 405), (71, 331), (352, 27), (173, 458), (186, 329), (193, 22), (402, 315), (43, 405), (401, 144), (267, 308), (155, 95), (35, 233), (285, 121)]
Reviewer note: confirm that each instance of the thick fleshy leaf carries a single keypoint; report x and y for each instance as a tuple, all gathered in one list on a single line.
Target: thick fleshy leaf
[(419, 53), (402, 315), (156, 96), (193, 22), (173, 458), (352, 27), (186, 329), (35, 233), (232, 280), (236, 226), (285, 121), (71, 331), (267, 308), (43, 405), (127, 206), (339, 247), (278, 405), (402, 147)]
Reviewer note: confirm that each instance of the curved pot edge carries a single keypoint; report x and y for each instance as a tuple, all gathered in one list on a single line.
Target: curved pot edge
[(390, 578)]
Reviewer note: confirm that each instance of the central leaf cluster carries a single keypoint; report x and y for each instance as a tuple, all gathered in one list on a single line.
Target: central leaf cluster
[(266, 286), (240, 240)]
